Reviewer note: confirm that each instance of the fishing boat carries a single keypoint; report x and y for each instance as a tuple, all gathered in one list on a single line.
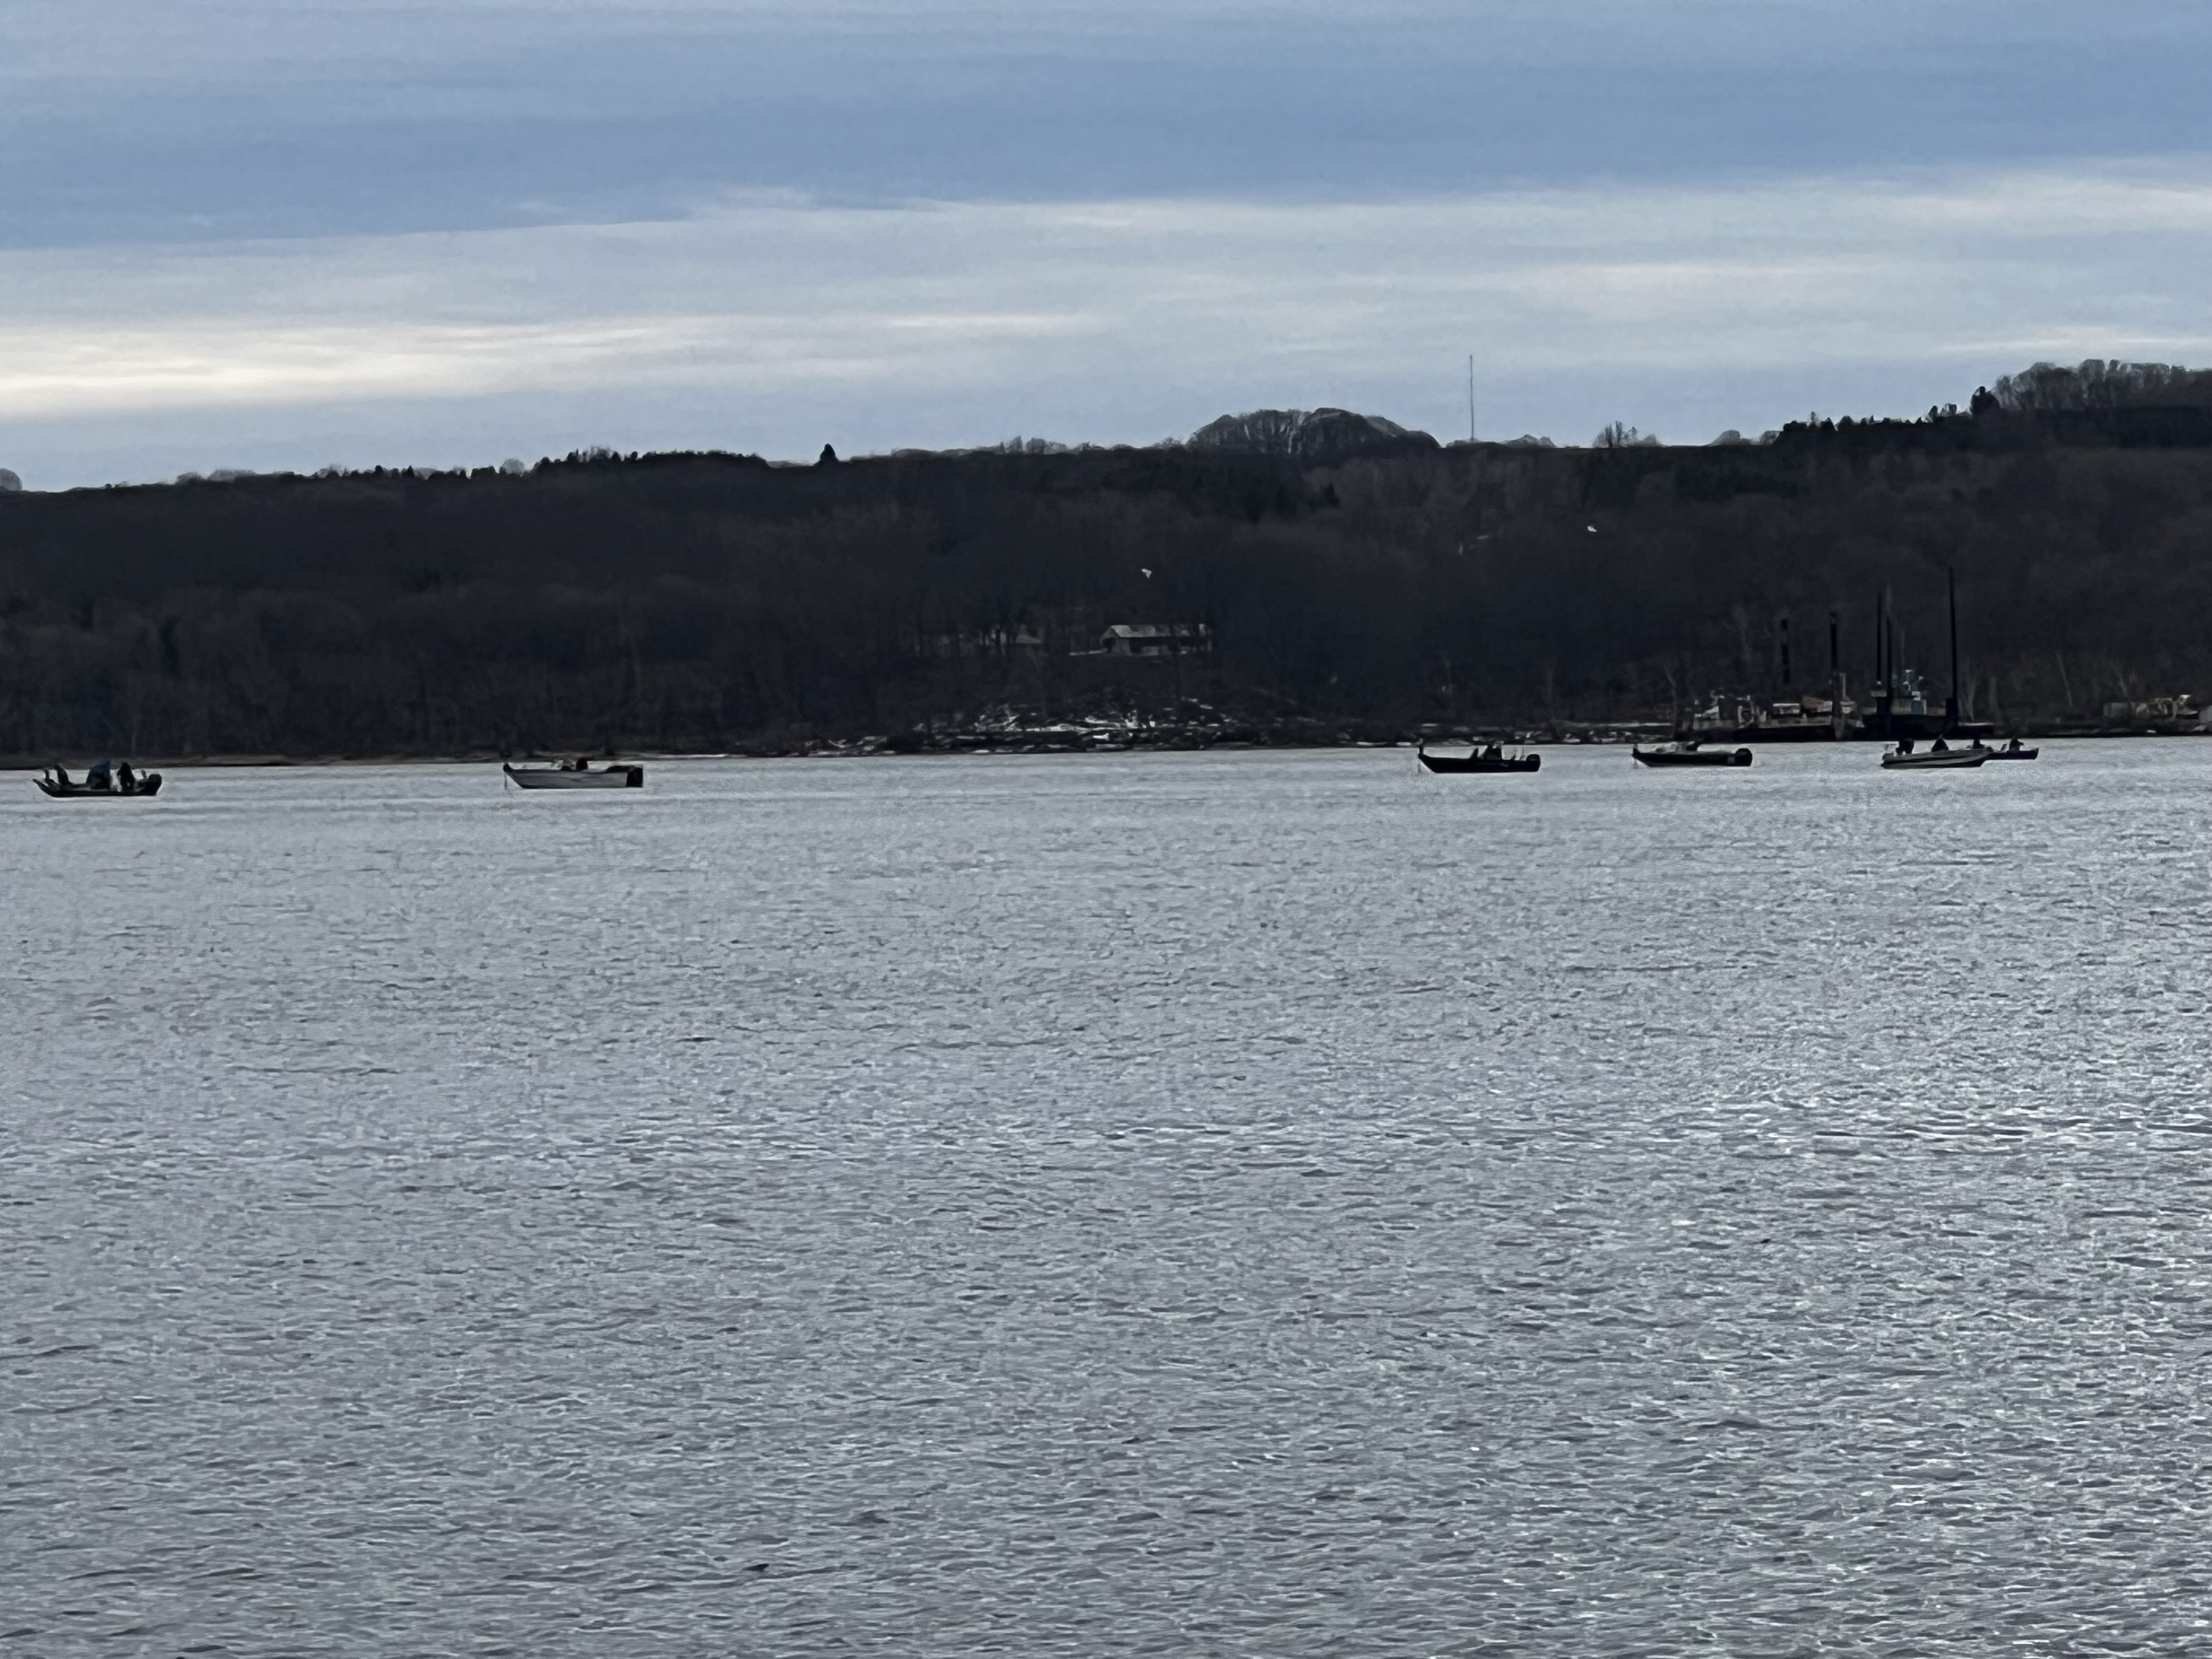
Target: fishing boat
[(1903, 757), (577, 774), (2014, 751), (1489, 759), (1687, 753), (102, 782)]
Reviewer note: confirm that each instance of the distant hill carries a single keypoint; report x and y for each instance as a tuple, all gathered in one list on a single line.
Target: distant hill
[(2049, 388), (1309, 437), (1287, 573)]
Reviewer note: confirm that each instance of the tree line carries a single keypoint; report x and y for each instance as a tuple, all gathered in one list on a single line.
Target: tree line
[(710, 601)]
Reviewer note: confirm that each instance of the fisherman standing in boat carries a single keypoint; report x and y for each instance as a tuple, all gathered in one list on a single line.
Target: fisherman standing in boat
[(126, 780)]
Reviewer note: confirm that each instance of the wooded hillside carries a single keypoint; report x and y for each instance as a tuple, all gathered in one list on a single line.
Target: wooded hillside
[(713, 601)]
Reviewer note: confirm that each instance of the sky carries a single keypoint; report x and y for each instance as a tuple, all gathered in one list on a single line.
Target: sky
[(273, 234)]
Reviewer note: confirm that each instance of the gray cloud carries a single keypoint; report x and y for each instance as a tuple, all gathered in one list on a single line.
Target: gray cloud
[(252, 117), (254, 233), (768, 319)]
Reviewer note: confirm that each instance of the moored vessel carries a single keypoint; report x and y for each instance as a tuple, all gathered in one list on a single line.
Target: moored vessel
[(1687, 753), (577, 774)]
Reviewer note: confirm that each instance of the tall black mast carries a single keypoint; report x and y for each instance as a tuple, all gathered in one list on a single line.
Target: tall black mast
[(1885, 649), (1951, 714)]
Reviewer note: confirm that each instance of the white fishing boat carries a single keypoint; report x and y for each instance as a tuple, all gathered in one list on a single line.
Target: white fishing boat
[(577, 774), (1940, 758)]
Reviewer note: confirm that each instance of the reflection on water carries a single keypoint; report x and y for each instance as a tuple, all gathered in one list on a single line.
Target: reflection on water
[(1201, 1204)]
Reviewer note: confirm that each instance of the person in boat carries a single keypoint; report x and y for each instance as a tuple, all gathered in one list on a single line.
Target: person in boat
[(61, 776), (99, 777), (2013, 748), (1904, 745), (1493, 753), (1939, 747), (126, 780)]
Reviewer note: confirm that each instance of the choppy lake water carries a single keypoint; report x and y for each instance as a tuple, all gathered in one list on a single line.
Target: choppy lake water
[(1234, 1203)]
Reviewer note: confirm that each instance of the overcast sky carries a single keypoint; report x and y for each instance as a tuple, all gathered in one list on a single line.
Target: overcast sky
[(273, 234)]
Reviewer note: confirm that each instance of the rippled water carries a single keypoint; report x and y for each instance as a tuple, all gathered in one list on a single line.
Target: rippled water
[(1234, 1203)]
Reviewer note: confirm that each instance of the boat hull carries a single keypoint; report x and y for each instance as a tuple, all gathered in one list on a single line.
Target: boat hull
[(2014, 754), (549, 777), (1691, 756), (1480, 763), (1949, 760), (145, 789)]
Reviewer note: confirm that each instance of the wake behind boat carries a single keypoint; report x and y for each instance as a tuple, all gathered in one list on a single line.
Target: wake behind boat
[(1687, 753), (1488, 759), (1941, 757), (577, 774), (102, 782)]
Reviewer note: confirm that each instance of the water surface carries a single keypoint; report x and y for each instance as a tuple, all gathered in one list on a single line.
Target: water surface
[(1226, 1204)]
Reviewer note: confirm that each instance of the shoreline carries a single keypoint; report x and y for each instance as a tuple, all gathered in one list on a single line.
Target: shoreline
[(950, 745)]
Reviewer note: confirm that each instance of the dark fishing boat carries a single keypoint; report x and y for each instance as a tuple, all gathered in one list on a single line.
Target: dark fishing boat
[(102, 782), (1491, 759), (1688, 754), (2013, 751)]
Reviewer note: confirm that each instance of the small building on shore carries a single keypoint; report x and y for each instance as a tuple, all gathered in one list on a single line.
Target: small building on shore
[(1156, 639)]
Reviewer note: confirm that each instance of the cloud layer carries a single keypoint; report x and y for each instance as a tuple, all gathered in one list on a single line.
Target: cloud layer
[(234, 231), (1123, 320)]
